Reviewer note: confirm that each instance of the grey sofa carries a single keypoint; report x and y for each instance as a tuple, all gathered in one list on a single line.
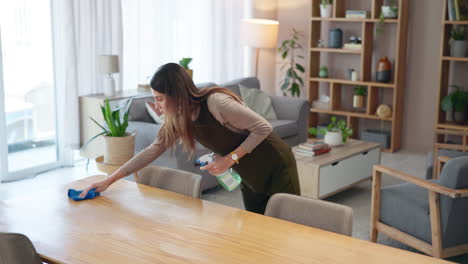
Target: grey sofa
[(442, 152), (291, 126)]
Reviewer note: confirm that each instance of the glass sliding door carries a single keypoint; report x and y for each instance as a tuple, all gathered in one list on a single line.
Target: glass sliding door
[(28, 105)]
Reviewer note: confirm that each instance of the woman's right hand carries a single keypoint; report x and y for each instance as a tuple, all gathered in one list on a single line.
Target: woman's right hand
[(100, 187)]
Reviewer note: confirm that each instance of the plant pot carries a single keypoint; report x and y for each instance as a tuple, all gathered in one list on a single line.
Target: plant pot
[(333, 138), (190, 73), (459, 48), (460, 118), (388, 12), (119, 150), (325, 10), (358, 101), (323, 73)]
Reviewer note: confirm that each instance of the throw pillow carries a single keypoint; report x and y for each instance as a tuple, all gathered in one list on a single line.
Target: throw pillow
[(158, 119), (258, 101)]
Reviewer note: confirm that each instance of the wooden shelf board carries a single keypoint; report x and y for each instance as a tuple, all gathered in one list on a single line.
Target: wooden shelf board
[(357, 20), (449, 125), (350, 51), (340, 81), (448, 58), (461, 22), (347, 113)]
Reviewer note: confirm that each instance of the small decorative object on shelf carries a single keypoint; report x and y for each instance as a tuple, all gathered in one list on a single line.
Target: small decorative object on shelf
[(354, 43), (383, 111), (144, 87), (350, 73), (184, 62), (354, 76), (356, 14), (336, 38), (457, 41), (326, 8), (320, 44), (358, 98), (456, 103), (384, 70), (389, 9), (336, 133), (322, 103), (323, 73)]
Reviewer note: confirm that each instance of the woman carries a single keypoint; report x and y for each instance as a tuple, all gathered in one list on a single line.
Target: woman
[(217, 119)]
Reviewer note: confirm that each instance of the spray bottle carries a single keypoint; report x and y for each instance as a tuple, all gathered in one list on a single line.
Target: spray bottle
[(229, 179)]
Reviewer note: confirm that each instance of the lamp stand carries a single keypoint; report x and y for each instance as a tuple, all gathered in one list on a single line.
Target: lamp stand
[(109, 85), (257, 54)]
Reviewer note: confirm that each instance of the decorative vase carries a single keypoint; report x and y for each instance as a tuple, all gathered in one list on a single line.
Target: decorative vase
[(333, 138), (323, 73), (388, 12), (325, 10), (358, 101), (119, 150), (459, 48), (384, 70), (336, 38)]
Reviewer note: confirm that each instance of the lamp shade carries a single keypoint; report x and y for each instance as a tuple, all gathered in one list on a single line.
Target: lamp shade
[(109, 63), (259, 33)]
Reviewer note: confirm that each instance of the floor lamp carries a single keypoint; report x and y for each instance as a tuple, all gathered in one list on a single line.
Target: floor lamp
[(259, 33)]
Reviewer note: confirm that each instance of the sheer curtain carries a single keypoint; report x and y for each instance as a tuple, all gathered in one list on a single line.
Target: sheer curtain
[(160, 31), (83, 30)]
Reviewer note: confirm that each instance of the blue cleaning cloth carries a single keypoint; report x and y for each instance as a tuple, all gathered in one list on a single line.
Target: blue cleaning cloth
[(75, 194)]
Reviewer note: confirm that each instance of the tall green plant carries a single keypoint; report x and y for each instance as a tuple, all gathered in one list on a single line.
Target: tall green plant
[(116, 125), (292, 81)]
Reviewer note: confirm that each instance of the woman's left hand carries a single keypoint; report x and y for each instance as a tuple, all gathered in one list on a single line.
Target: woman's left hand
[(219, 165)]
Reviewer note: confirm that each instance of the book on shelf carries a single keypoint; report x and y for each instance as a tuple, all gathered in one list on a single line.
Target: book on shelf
[(353, 46), (356, 14)]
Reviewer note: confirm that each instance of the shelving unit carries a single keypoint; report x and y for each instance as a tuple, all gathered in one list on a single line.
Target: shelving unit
[(373, 88), (443, 127)]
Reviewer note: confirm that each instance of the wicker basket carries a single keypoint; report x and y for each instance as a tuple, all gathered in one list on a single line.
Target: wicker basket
[(119, 149)]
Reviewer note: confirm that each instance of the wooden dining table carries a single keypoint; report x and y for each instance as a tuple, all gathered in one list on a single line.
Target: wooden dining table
[(134, 223)]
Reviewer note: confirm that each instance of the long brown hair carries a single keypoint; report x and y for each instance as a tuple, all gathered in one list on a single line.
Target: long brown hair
[(183, 97)]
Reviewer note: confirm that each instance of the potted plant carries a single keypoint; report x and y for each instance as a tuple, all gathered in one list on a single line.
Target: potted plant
[(184, 62), (119, 145), (389, 9), (326, 8), (323, 72), (456, 103), (458, 42), (337, 132), (358, 98), (291, 68)]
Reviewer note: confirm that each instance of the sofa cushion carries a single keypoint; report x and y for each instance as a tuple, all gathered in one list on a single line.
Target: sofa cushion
[(158, 119), (258, 101), (284, 128), (406, 208), (138, 110), (251, 82), (204, 85)]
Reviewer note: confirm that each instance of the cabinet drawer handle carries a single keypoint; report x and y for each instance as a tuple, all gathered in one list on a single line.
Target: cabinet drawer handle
[(335, 163), (365, 153)]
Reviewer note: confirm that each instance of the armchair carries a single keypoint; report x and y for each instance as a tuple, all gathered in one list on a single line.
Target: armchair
[(428, 215)]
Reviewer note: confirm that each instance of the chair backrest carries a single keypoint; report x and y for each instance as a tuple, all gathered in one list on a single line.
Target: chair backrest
[(178, 181), (454, 212), (311, 212), (17, 249)]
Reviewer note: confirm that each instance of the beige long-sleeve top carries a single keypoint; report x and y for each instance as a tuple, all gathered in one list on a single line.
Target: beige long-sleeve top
[(230, 113)]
